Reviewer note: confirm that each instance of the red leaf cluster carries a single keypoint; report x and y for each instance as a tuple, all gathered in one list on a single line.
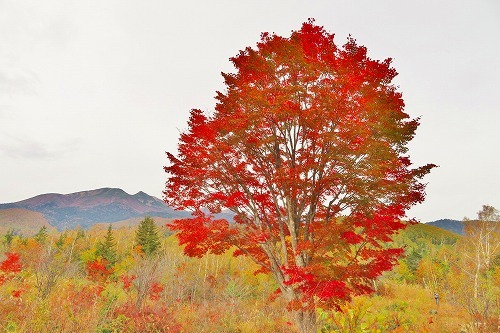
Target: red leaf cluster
[(311, 285), (127, 281), (98, 271), (10, 266), (155, 291), (17, 293), (202, 234), (12, 263)]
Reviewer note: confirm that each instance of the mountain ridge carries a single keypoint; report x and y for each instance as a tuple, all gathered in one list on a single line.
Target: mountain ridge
[(86, 208)]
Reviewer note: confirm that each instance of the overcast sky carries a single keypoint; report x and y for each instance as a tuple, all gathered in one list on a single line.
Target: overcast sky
[(92, 93)]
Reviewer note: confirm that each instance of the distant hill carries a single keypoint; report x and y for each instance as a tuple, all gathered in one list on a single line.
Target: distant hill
[(432, 233), (451, 225), (31, 221), (105, 205)]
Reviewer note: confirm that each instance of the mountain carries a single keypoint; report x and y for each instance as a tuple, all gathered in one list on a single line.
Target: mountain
[(105, 205), (451, 225)]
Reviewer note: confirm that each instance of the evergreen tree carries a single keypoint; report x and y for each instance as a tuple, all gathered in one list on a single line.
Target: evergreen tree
[(9, 236), (107, 248), (62, 238), (147, 236), (42, 235)]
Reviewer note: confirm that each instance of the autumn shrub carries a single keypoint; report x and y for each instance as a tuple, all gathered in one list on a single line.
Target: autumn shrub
[(9, 267), (11, 311), (127, 280), (155, 291), (243, 316), (98, 270), (128, 318)]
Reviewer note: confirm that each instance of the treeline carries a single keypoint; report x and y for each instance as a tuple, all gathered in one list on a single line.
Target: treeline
[(136, 279)]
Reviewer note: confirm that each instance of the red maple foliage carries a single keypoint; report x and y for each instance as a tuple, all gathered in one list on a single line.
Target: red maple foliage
[(155, 291), (12, 263), (16, 293), (98, 271), (10, 266), (307, 147), (127, 280)]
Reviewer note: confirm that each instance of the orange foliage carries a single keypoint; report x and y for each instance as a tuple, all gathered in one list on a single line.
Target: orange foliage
[(155, 291), (98, 271), (127, 280), (148, 319)]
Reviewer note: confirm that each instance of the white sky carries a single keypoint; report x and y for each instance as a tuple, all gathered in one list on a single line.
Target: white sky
[(92, 93)]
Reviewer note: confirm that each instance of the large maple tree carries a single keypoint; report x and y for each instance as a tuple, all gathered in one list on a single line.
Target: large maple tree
[(307, 146)]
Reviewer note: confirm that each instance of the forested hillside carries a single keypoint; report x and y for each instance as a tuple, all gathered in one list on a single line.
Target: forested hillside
[(451, 225)]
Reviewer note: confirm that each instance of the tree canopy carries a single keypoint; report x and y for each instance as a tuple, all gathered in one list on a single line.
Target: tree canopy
[(307, 145)]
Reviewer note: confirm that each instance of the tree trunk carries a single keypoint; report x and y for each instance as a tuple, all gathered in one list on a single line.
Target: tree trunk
[(306, 321)]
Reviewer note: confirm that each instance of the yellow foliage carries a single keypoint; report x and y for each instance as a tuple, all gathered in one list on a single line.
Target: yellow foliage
[(217, 293)]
